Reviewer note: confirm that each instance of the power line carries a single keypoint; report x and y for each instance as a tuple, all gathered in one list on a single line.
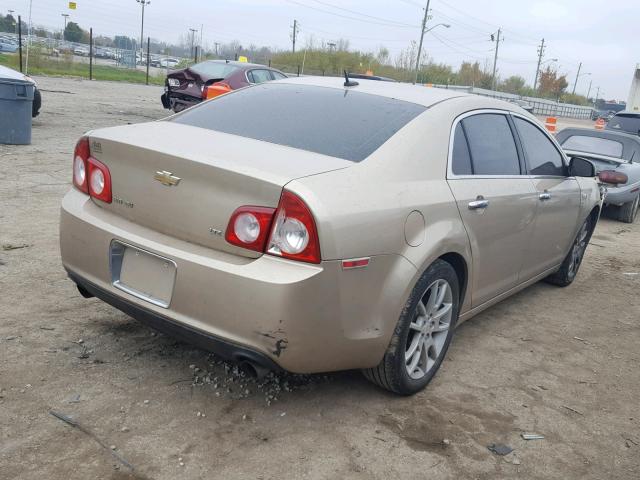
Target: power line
[(329, 12), (326, 4)]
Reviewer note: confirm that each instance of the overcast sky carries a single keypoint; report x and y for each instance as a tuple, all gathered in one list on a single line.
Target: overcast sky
[(601, 34)]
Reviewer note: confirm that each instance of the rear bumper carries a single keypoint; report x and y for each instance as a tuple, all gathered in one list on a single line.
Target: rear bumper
[(621, 195), (178, 102), (299, 317), (194, 336)]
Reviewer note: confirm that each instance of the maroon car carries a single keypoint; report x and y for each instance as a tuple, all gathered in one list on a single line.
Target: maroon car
[(208, 79)]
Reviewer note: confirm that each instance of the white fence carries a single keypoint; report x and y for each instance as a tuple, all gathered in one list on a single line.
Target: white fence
[(541, 106)]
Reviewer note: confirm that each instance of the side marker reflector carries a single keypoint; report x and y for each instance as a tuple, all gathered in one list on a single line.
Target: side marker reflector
[(355, 263)]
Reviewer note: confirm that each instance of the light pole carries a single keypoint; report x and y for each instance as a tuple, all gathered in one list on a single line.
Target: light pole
[(551, 60), (15, 25), (578, 75), (193, 36), (66, 17), (445, 25), (144, 3), (589, 91)]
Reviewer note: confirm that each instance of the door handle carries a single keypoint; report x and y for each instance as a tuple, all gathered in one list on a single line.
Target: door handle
[(479, 203), (544, 196)]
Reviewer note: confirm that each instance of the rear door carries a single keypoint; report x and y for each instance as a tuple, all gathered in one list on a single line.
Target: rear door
[(558, 198), (259, 75), (496, 200)]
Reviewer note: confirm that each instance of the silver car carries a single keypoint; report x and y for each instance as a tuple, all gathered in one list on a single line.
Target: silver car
[(610, 150), (314, 226)]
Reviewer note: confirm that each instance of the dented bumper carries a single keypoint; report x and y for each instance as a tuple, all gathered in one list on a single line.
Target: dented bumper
[(300, 317)]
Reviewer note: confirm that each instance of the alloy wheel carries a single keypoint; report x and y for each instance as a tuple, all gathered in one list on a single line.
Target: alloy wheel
[(578, 249), (429, 329)]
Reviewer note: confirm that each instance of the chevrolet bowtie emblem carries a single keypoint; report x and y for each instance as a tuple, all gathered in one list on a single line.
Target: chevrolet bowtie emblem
[(167, 178)]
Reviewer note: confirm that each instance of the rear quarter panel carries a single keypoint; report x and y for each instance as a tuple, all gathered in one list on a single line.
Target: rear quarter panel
[(361, 211)]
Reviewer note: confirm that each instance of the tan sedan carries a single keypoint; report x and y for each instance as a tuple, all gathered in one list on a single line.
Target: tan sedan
[(311, 226)]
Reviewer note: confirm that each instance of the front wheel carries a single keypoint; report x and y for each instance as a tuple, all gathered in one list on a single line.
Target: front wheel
[(629, 211), (571, 264), (423, 333)]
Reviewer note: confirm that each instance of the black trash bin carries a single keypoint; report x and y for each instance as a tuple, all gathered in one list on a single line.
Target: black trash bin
[(16, 99)]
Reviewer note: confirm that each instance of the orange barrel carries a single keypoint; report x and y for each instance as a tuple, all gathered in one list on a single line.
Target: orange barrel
[(550, 124)]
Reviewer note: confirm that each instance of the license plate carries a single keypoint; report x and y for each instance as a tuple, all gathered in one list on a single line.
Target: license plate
[(142, 274)]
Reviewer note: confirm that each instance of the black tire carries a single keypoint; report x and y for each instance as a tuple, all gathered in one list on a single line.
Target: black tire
[(628, 212), (37, 103), (391, 374), (571, 264)]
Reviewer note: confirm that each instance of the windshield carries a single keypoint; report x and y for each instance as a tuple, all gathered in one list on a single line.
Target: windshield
[(597, 145), (335, 122), (213, 69), (625, 123)]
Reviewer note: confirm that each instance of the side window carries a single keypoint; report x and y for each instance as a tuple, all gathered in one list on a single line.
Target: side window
[(278, 75), (460, 158), (491, 144), (542, 155), (259, 76)]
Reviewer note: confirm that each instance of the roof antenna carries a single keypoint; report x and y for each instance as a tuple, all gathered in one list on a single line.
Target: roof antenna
[(347, 82)]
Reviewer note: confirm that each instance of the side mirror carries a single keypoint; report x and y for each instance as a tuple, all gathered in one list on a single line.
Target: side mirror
[(612, 177), (581, 167)]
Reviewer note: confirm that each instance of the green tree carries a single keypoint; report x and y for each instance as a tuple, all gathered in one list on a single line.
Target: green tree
[(73, 32), (8, 23), (552, 84), (514, 84), (471, 74)]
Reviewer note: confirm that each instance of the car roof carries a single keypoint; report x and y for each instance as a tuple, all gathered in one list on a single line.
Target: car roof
[(240, 64), (419, 94)]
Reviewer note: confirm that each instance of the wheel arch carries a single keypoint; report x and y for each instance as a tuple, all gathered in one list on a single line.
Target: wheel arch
[(461, 268)]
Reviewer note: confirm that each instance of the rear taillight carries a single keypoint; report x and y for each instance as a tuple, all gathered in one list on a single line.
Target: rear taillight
[(80, 158), (249, 227), (99, 180), (90, 175), (294, 234), (214, 90), (288, 231)]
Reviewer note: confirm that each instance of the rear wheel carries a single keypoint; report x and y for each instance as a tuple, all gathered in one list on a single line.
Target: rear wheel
[(423, 333), (571, 264), (629, 211)]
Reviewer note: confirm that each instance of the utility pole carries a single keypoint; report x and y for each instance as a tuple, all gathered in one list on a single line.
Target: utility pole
[(589, 91), (577, 76), (143, 3), (596, 99), (294, 35), (193, 36), (422, 31), (540, 55), (217, 44), (495, 59)]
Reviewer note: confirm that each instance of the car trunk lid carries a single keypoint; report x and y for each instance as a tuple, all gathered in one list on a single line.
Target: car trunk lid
[(186, 181)]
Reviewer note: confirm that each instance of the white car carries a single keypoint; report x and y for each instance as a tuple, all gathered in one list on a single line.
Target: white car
[(169, 62)]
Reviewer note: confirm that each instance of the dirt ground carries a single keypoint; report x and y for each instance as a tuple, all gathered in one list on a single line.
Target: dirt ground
[(564, 363)]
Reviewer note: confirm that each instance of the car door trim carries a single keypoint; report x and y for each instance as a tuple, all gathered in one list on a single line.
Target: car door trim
[(481, 111), (517, 140)]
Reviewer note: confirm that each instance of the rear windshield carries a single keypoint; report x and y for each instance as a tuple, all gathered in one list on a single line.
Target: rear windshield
[(213, 69), (344, 124), (597, 145), (625, 123)]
